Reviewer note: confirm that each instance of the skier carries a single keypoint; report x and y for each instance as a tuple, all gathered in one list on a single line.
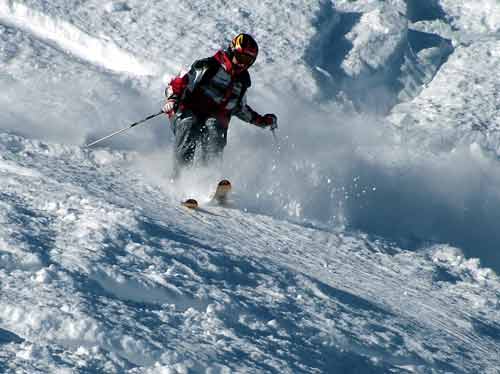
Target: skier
[(201, 102)]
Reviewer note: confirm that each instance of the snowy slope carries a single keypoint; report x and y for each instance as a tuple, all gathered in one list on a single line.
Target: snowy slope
[(357, 244), (101, 272)]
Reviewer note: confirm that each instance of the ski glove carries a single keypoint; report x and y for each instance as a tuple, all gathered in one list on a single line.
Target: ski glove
[(170, 107), (267, 120)]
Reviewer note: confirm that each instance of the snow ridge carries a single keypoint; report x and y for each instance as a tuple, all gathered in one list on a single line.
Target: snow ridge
[(64, 35)]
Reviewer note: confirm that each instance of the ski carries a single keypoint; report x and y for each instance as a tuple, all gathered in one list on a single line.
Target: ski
[(222, 192), (190, 203), (220, 197)]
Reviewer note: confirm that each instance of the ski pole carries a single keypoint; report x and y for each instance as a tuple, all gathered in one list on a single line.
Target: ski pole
[(274, 136), (124, 129), (276, 140)]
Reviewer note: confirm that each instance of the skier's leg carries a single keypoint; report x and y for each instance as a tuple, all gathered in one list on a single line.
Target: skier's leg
[(187, 133), (214, 140)]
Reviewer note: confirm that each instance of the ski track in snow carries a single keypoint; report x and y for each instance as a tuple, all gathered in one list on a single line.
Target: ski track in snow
[(70, 39)]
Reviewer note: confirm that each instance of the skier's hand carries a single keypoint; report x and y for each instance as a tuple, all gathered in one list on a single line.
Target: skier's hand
[(272, 120), (170, 107), (268, 120)]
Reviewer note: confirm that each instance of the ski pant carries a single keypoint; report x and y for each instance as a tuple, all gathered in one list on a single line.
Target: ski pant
[(197, 139)]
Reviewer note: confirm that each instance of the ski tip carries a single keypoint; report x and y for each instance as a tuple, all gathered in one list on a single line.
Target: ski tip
[(190, 203), (223, 187)]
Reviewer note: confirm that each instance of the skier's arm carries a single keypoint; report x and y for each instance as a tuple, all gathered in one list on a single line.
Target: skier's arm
[(247, 114), (182, 84)]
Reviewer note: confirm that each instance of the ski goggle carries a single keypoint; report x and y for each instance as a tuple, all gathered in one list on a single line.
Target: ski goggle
[(244, 58)]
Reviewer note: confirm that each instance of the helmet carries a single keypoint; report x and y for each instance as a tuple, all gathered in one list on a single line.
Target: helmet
[(244, 48)]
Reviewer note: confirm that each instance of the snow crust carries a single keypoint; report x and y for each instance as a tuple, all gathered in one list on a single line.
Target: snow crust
[(464, 100), (481, 16), (362, 240), (375, 38)]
